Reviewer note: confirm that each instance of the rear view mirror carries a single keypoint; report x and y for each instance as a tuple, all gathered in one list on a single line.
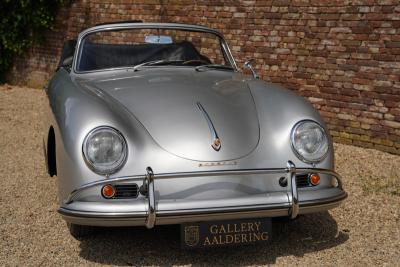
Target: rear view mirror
[(158, 39)]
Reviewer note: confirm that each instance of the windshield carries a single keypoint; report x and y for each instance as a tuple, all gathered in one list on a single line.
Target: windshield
[(112, 49)]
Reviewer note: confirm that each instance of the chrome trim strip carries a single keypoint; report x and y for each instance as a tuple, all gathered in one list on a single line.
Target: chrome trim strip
[(75, 192), (132, 220), (216, 141), (245, 208), (206, 214), (166, 214), (231, 59), (87, 214), (222, 216)]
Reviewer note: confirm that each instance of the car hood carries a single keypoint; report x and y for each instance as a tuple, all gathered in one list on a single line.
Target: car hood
[(177, 106)]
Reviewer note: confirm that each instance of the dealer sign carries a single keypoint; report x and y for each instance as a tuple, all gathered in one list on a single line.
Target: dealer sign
[(223, 233)]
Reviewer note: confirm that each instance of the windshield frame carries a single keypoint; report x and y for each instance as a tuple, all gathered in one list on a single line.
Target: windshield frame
[(128, 26)]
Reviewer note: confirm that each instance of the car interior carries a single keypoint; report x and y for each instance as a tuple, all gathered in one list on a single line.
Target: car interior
[(103, 56)]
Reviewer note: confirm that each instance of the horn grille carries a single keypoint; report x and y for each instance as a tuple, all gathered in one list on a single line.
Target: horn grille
[(123, 191)]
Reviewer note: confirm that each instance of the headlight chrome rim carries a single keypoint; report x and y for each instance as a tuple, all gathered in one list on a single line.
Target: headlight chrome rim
[(300, 156), (92, 165)]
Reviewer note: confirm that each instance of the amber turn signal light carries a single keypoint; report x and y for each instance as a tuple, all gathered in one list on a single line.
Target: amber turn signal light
[(314, 179), (108, 191)]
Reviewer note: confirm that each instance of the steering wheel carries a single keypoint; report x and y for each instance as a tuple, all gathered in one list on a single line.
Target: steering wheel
[(195, 62)]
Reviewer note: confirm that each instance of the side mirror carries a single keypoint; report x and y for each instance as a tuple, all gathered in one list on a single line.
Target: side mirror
[(67, 63), (248, 64)]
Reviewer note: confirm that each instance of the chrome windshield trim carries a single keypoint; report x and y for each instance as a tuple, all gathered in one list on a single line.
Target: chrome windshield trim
[(134, 25), (126, 26)]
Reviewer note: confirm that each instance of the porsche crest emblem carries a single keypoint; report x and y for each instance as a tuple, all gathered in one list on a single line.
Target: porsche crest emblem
[(216, 144), (192, 235)]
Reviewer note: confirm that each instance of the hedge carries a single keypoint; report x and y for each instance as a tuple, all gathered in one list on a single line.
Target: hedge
[(23, 24)]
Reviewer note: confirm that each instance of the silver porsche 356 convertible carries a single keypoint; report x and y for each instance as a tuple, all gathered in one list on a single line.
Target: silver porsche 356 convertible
[(153, 123)]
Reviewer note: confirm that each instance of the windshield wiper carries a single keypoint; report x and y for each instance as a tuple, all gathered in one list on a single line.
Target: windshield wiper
[(213, 66), (156, 62)]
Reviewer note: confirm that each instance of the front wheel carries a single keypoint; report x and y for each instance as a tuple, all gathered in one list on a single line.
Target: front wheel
[(79, 231)]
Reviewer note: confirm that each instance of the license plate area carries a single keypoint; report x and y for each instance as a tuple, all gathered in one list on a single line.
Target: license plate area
[(225, 233)]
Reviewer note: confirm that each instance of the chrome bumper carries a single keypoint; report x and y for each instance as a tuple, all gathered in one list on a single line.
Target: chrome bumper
[(277, 204)]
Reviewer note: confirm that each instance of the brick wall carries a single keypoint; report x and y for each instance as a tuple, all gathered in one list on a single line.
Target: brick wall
[(343, 55)]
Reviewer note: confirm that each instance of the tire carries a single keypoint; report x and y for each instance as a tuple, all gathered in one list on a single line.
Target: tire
[(79, 231)]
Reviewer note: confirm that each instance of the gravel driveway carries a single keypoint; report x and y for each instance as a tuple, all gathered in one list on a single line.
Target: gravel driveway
[(363, 231)]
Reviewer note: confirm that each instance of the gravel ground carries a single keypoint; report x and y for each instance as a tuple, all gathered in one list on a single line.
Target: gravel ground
[(365, 230)]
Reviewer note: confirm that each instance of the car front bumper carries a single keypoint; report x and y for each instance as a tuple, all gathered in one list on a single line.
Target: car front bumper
[(149, 211), (266, 207)]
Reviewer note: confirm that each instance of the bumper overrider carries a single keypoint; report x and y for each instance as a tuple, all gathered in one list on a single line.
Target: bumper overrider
[(149, 211)]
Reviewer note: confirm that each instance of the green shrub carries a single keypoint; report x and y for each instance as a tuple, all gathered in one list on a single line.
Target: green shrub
[(22, 24)]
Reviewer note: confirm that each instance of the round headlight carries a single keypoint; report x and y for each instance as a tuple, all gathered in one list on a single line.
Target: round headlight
[(309, 141), (105, 150)]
